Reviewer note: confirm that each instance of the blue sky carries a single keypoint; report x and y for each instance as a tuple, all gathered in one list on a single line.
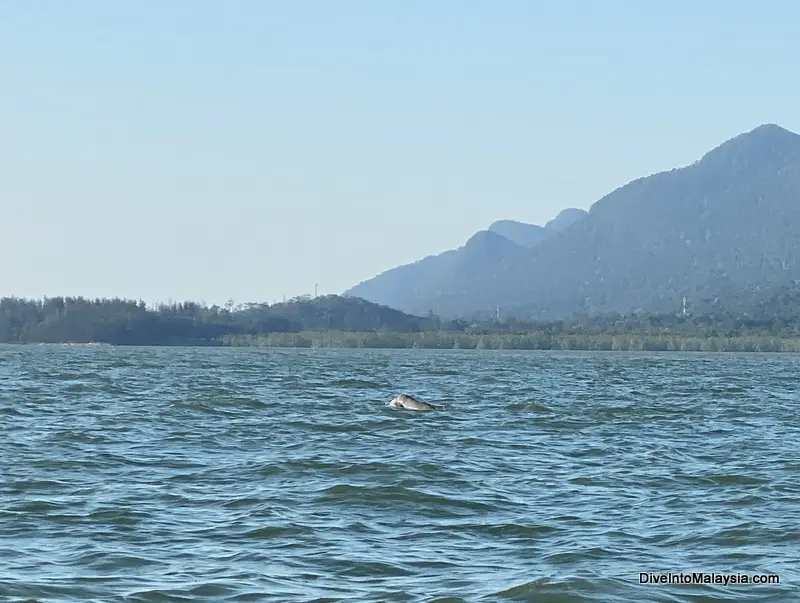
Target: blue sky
[(212, 150)]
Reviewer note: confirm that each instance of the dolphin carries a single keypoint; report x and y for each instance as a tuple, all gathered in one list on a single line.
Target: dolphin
[(411, 403)]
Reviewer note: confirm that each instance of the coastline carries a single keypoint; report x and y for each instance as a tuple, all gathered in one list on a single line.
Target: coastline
[(622, 342)]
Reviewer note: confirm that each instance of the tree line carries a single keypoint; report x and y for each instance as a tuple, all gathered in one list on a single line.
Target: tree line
[(335, 321), (129, 322)]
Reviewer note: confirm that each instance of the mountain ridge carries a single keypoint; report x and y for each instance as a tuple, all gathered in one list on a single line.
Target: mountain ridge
[(434, 274), (714, 227)]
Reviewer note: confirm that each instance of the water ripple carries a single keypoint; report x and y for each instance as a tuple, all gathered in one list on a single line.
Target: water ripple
[(149, 475)]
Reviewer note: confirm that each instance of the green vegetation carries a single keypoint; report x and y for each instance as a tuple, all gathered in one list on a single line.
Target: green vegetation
[(126, 322), (333, 321), (516, 341), (709, 231)]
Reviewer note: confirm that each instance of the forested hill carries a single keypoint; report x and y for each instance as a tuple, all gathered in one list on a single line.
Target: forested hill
[(126, 322), (329, 319), (725, 226)]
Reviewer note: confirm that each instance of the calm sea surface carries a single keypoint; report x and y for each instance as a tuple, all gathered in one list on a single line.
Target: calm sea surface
[(179, 474)]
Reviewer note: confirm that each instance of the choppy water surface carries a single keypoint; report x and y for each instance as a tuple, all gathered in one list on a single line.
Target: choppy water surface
[(245, 475)]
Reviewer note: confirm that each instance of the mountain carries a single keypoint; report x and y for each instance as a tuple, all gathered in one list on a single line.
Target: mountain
[(524, 235), (435, 276), (439, 275), (565, 219), (530, 235), (725, 226)]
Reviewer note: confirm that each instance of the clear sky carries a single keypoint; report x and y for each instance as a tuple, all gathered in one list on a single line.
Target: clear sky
[(232, 149)]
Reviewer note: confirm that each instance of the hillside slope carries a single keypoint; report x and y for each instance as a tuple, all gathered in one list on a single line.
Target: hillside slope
[(435, 277), (727, 224), (565, 219), (486, 252)]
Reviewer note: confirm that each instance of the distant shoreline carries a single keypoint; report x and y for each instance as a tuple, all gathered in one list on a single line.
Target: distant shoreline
[(442, 340), (490, 342), (337, 322), (626, 342), (471, 342)]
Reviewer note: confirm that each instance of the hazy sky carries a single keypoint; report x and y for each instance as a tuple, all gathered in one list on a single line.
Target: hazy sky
[(231, 149)]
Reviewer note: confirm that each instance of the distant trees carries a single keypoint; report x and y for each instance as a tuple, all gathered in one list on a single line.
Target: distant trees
[(517, 341), (769, 322), (127, 322)]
